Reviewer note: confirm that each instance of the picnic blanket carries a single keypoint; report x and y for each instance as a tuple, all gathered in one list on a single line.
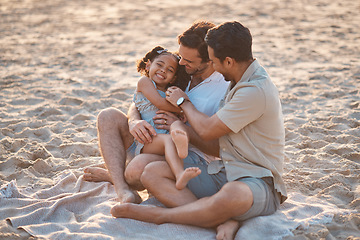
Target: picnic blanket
[(77, 209)]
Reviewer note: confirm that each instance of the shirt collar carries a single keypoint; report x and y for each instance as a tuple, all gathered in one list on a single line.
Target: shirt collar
[(250, 71), (213, 77)]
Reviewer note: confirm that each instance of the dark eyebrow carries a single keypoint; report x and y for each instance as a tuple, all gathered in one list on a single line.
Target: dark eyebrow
[(172, 67), (187, 60), (164, 63)]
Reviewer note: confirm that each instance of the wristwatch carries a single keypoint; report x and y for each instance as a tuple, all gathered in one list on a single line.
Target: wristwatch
[(180, 101)]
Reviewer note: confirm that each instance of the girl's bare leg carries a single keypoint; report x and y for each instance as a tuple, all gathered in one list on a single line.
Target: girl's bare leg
[(181, 141), (163, 145)]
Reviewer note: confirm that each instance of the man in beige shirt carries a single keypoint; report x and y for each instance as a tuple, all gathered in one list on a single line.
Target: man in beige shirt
[(247, 133)]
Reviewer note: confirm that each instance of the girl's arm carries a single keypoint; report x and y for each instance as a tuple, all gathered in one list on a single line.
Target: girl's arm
[(146, 87)]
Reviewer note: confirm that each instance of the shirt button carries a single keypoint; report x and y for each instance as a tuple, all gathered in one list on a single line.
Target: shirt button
[(226, 162), (223, 149)]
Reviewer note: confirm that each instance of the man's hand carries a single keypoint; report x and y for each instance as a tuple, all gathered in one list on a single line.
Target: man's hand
[(142, 131), (174, 93), (164, 119)]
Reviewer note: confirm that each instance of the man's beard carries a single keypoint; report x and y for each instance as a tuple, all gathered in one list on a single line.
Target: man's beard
[(198, 70)]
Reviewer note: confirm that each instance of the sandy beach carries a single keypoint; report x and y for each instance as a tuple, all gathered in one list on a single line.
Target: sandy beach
[(62, 62)]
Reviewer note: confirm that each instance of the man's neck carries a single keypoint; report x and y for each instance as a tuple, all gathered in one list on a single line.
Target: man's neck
[(198, 78), (241, 69)]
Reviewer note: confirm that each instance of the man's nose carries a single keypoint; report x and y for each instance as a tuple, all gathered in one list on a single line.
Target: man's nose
[(181, 62)]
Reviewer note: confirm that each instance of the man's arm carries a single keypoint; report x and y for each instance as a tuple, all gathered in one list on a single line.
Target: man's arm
[(140, 129), (208, 147), (208, 128)]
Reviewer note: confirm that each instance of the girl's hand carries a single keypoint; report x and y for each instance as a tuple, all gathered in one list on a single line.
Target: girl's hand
[(164, 119)]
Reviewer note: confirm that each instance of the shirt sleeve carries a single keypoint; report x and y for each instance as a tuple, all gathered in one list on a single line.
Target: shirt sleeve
[(245, 106)]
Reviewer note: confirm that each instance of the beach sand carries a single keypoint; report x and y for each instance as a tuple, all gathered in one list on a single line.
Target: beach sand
[(62, 62)]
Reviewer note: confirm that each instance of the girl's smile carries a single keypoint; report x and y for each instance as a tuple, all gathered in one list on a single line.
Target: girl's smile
[(162, 70)]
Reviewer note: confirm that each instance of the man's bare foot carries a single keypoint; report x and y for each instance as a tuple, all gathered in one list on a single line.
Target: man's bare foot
[(97, 174), (227, 230), (128, 196), (185, 177), (146, 213), (181, 142)]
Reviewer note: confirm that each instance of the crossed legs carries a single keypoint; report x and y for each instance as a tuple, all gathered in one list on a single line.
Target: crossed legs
[(233, 199)]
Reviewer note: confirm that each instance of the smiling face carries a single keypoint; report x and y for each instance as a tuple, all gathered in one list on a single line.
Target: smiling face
[(162, 70), (192, 61)]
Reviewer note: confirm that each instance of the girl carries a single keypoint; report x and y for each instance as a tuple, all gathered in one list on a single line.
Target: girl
[(161, 69)]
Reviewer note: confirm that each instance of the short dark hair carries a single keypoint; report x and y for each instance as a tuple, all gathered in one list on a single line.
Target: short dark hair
[(194, 37), (230, 39)]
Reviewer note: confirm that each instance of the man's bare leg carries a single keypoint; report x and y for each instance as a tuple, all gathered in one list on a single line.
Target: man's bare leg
[(114, 139), (136, 167), (159, 180), (235, 198), (227, 230)]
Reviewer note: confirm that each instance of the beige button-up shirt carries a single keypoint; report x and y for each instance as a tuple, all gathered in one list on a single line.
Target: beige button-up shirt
[(255, 147)]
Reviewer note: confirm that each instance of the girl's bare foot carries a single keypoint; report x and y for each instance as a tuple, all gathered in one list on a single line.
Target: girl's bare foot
[(185, 177), (181, 142), (97, 174), (227, 230)]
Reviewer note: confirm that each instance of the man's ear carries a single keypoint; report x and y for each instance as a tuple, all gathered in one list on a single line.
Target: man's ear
[(229, 61)]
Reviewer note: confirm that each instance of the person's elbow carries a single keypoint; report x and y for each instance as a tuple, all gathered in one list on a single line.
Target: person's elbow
[(212, 129), (205, 133)]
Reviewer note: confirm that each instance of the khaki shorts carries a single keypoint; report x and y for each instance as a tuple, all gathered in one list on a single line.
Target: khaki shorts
[(266, 199)]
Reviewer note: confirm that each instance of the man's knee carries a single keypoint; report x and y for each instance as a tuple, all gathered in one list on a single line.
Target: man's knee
[(234, 196), (133, 174), (108, 116), (145, 177), (150, 173), (104, 116)]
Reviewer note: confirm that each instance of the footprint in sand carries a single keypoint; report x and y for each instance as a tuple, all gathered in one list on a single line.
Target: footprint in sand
[(70, 101)]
